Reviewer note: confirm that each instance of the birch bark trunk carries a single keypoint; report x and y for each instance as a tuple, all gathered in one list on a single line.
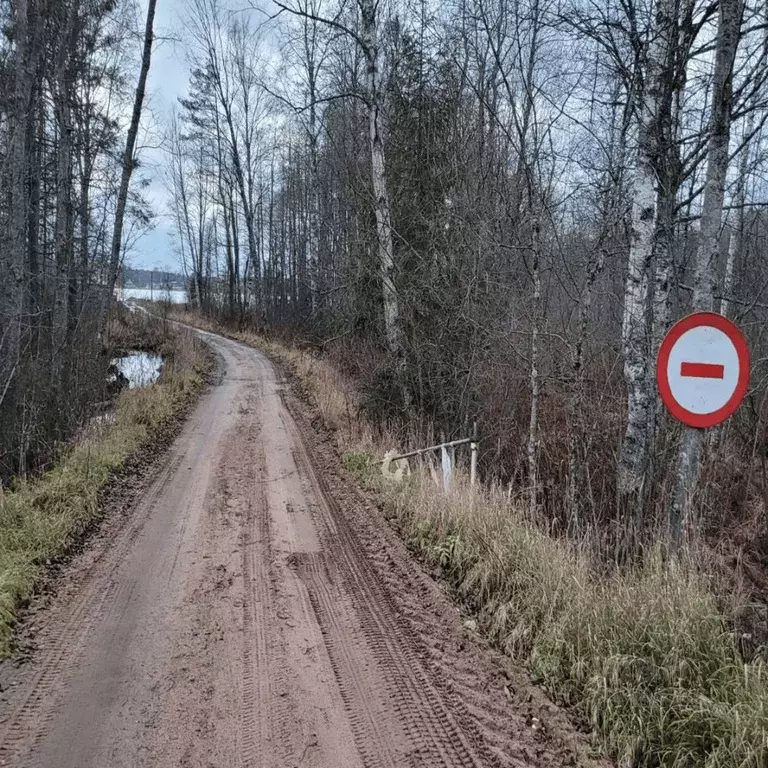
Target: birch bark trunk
[(382, 208), (675, 41), (728, 35), (635, 326)]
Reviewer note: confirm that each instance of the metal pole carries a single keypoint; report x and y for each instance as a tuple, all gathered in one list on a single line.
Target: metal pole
[(418, 452), (473, 460)]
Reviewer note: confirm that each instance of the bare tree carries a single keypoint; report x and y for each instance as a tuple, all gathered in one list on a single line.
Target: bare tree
[(130, 147), (728, 36), (649, 92)]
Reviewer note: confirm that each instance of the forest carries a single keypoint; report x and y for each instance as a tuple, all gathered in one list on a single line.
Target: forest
[(492, 211), (484, 211), (69, 122)]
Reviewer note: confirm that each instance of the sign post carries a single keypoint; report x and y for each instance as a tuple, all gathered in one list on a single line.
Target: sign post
[(703, 369)]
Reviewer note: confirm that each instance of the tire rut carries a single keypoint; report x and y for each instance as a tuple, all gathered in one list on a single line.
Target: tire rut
[(257, 720), (32, 711), (433, 728)]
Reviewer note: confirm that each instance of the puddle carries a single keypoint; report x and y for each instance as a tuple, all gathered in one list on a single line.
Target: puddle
[(138, 369)]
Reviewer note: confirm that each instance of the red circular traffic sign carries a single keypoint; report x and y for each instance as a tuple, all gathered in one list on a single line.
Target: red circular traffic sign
[(703, 369)]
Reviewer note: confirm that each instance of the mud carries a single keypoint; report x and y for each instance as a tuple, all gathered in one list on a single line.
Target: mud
[(252, 608)]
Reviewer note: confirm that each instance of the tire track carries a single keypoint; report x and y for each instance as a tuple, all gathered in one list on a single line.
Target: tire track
[(254, 543), (442, 739), (264, 715), (60, 659), (361, 686)]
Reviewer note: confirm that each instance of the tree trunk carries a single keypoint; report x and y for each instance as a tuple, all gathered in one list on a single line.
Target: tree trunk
[(533, 424), (382, 209), (64, 179), (728, 35), (736, 239), (128, 159), (636, 321), (14, 257), (576, 443)]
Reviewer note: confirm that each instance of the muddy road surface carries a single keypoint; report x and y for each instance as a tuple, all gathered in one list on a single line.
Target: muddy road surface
[(250, 609)]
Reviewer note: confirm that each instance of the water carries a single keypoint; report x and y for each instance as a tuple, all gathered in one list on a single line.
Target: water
[(140, 368), (175, 296)]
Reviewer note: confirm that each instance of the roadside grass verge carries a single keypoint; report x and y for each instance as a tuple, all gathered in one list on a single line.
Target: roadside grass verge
[(42, 518), (646, 655)]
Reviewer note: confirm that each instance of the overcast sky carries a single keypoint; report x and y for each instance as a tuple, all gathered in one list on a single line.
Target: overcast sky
[(168, 77)]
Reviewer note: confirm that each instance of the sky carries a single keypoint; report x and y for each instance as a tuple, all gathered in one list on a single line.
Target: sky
[(167, 81)]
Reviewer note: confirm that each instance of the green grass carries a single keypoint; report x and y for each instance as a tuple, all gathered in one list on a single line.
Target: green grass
[(360, 463), (42, 518)]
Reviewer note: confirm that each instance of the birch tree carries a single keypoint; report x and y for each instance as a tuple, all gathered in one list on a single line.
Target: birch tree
[(648, 96), (728, 38), (367, 38)]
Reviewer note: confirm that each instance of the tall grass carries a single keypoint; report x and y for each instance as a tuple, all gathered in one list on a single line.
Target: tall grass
[(43, 517), (646, 655)]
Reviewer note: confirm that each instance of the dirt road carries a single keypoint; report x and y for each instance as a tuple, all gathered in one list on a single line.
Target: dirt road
[(251, 610)]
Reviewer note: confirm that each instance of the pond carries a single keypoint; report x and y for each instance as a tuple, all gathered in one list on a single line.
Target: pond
[(138, 369)]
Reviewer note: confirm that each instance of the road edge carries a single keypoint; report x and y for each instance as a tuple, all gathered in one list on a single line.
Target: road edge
[(116, 499)]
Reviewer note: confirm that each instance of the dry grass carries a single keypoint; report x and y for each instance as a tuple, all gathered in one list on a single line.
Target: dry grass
[(647, 655), (42, 518)]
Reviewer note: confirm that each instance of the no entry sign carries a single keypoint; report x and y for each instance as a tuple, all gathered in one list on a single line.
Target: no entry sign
[(703, 369)]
